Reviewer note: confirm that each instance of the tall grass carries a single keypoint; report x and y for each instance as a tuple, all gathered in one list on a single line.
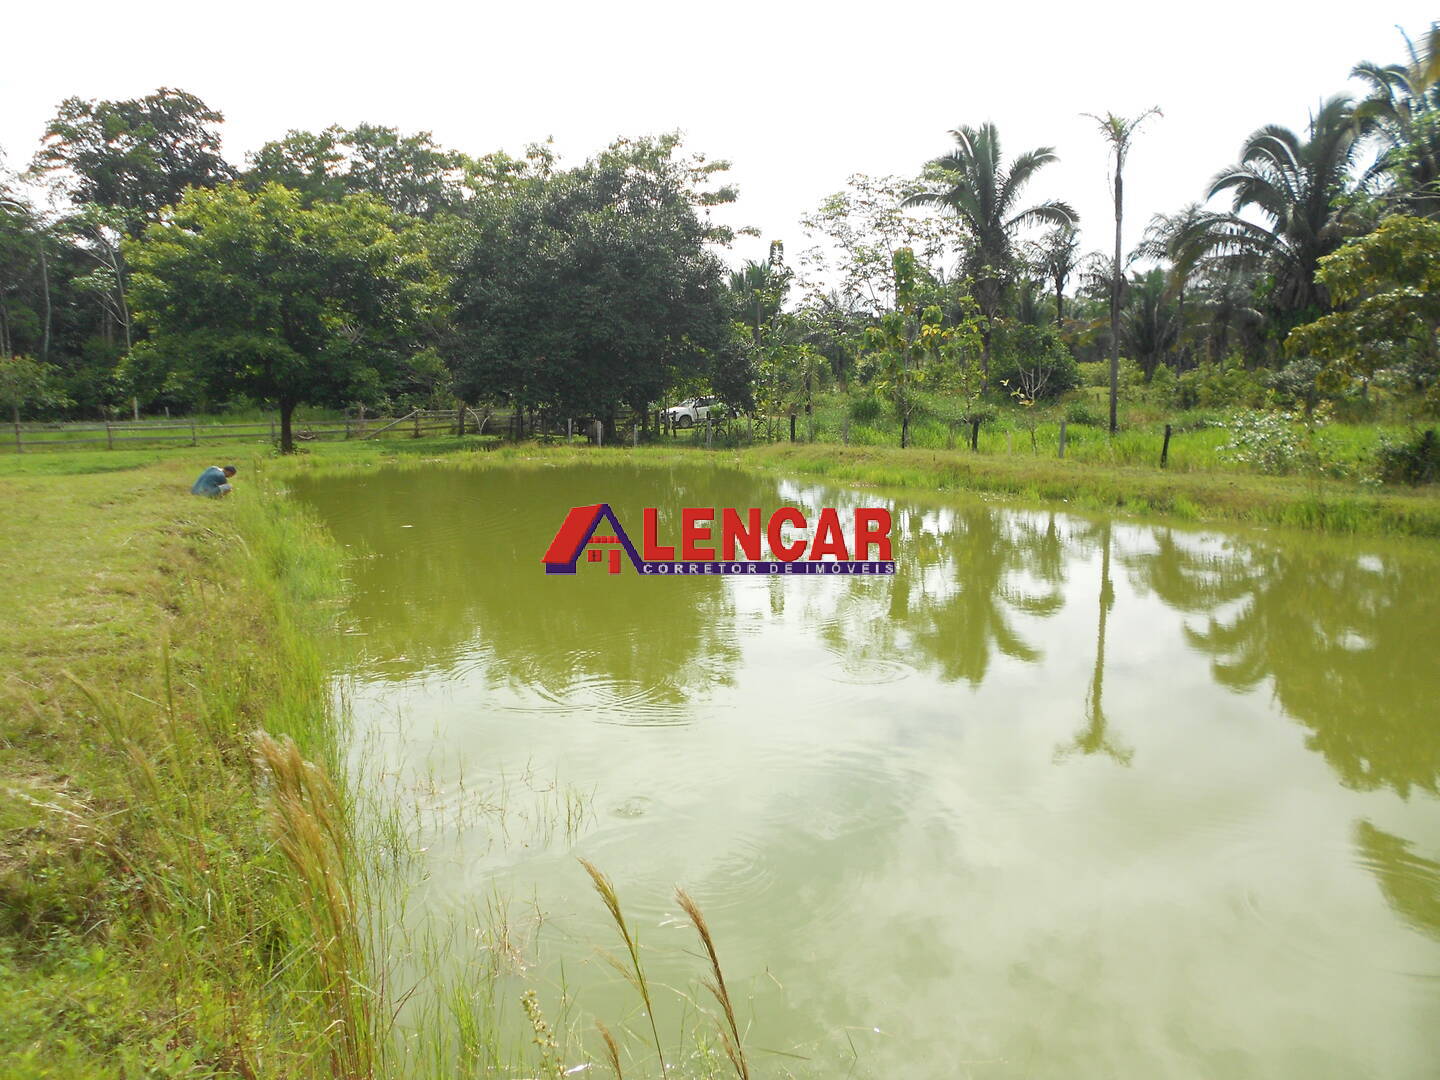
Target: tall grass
[(635, 972)]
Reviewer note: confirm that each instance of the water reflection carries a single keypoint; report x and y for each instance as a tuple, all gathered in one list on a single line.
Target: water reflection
[(900, 800), (1346, 641)]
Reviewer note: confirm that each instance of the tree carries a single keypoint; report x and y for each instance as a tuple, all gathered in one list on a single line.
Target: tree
[(1118, 132), (1055, 256), (137, 155), (595, 286), (409, 173), (1402, 110), (759, 290), (1150, 323), (973, 183), (24, 271), (866, 225), (1388, 286), (27, 383), (1293, 190), (254, 294), (913, 346)]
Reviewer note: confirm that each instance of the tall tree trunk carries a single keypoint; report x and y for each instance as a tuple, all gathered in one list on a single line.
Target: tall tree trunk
[(287, 438), (985, 354), (1059, 303), (1115, 295), (45, 293)]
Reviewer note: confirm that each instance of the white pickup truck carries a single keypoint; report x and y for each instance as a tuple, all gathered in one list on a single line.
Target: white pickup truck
[(696, 411)]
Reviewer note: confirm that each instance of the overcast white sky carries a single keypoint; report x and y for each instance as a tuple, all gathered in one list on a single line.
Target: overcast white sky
[(797, 95)]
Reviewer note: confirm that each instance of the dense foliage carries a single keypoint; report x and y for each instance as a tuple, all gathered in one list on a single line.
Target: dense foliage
[(371, 266)]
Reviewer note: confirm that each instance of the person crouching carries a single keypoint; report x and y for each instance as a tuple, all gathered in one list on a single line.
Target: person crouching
[(214, 481)]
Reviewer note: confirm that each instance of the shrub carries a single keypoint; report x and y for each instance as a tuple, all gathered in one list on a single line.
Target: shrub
[(1415, 460), (1265, 441), (1080, 412), (867, 409), (1218, 385), (1022, 354)]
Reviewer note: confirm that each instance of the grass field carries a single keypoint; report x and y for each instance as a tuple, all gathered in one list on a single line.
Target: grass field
[(150, 925), (174, 890)]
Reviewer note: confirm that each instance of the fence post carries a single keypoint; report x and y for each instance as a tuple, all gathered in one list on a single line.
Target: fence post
[(272, 429), (416, 414), (569, 428), (109, 437), (634, 435), (599, 433), (1062, 438), (347, 428), (19, 443), (1165, 449), (135, 405), (362, 420), (194, 439)]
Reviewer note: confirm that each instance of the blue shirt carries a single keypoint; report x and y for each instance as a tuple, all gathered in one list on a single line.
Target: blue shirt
[(210, 481)]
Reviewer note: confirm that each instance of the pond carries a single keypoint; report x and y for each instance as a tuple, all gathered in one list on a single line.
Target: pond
[(1062, 797)]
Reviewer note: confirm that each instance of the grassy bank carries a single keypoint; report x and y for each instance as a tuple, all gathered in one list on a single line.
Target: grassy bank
[(1132, 490), (174, 890), (152, 921)]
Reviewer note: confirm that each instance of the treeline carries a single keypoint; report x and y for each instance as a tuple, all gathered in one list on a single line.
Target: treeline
[(1316, 283), (356, 266), (366, 265)]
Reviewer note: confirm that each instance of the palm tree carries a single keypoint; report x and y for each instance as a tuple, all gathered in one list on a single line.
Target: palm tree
[(1055, 256), (759, 289), (1150, 323), (1290, 188), (1402, 110), (1118, 131), (973, 183)]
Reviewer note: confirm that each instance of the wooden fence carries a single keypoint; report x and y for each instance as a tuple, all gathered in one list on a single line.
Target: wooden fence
[(118, 433), (626, 427)]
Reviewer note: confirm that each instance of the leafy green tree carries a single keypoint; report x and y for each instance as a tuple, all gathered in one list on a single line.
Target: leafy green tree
[(1387, 285), (26, 383), (864, 226), (913, 347), (973, 183), (409, 173), (252, 293), (24, 275), (136, 155), (594, 287)]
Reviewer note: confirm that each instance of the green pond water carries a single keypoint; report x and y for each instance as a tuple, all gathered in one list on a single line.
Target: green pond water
[(1065, 797)]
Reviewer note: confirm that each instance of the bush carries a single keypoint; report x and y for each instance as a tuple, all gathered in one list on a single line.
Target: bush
[(1267, 442), (866, 410), (1022, 354), (1415, 460), (1080, 412), (1218, 385)]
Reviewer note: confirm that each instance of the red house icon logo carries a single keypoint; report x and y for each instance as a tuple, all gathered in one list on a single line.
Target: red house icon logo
[(578, 533)]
